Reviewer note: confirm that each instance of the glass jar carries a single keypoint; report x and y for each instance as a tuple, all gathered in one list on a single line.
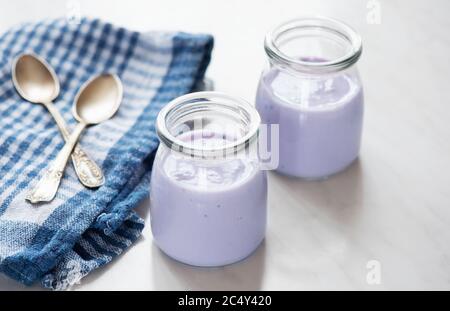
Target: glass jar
[(208, 192), (312, 90)]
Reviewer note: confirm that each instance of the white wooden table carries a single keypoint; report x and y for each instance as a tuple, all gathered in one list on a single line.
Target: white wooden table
[(392, 206)]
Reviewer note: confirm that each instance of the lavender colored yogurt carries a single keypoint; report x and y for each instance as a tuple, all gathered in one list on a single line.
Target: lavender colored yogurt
[(207, 212), (320, 120)]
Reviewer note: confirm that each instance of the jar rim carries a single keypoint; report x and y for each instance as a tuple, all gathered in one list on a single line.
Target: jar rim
[(318, 23), (210, 97)]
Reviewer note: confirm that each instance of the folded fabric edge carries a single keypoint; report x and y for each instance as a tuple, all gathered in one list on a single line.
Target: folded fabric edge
[(93, 250)]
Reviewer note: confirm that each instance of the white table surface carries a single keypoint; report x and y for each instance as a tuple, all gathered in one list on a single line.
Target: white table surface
[(393, 205)]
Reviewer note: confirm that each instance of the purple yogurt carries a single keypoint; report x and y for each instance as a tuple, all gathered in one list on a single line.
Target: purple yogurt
[(207, 211), (312, 90), (320, 121)]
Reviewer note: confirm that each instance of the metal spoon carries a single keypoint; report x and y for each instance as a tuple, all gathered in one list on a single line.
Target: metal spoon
[(36, 81), (97, 101)]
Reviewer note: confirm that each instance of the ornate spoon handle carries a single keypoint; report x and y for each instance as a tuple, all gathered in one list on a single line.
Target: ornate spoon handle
[(45, 190), (88, 172)]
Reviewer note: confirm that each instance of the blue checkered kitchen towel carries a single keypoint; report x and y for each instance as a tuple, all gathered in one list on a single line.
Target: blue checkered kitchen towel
[(82, 229)]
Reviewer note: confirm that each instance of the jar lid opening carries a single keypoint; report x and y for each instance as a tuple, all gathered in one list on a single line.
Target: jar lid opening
[(313, 45), (228, 123)]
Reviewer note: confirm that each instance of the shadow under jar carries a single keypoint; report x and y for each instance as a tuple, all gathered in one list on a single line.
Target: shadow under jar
[(312, 89), (208, 194)]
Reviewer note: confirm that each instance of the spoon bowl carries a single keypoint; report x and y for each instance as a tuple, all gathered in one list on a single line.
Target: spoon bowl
[(35, 79), (98, 99)]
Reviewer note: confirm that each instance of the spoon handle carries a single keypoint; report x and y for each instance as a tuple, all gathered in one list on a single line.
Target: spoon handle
[(45, 190), (88, 172)]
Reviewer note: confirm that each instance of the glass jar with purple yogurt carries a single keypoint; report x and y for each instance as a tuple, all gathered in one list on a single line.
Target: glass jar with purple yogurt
[(208, 193), (312, 89)]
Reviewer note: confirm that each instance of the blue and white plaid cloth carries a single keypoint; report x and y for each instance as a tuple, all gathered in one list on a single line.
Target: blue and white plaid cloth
[(82, 229)]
